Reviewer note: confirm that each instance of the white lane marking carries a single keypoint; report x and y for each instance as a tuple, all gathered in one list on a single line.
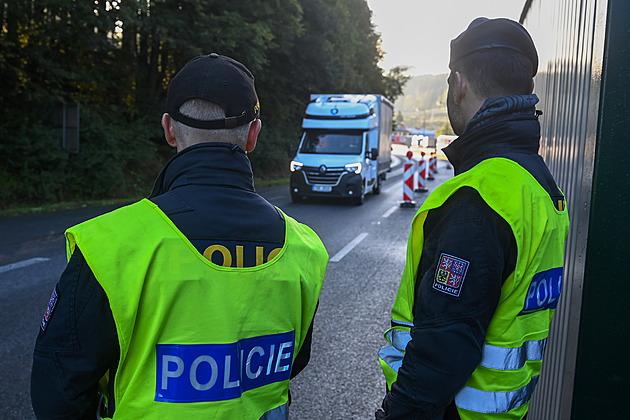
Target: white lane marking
[(21, 264), (390, 211), (339, 255)]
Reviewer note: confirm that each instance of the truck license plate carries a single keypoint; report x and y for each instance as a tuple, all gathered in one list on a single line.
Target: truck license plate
[(322, 188)]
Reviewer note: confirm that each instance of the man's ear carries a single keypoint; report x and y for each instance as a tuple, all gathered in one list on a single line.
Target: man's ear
[(169, 134), (461, 87), (252, 136)]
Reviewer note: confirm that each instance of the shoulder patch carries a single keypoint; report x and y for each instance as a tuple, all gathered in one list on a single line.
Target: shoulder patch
[(450, 274), (49, 310)]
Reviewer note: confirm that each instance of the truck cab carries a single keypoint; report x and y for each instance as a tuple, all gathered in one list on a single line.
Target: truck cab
[(345, 149)]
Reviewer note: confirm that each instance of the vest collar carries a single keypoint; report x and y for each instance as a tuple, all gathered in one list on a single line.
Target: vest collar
[(217, 164), (502, 125)]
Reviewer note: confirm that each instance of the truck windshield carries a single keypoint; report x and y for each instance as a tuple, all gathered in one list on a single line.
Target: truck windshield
[(332, 142)]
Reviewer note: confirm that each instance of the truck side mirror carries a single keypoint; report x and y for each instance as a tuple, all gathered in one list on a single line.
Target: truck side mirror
[(373, 153), (291, 151)]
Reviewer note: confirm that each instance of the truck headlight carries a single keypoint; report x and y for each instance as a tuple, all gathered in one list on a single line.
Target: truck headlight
[(354, 167), (296, 166)]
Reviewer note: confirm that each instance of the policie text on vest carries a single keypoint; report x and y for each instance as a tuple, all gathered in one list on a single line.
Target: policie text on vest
[(215, 372)]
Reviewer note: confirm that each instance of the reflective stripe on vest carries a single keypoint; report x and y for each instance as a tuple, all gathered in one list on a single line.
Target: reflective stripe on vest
[(278, 413), (398, 338), (494, 402), (493, 357), (393, 355), (502, 358)]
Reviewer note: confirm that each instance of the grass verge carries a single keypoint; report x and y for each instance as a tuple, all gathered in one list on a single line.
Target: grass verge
[(70, 205)]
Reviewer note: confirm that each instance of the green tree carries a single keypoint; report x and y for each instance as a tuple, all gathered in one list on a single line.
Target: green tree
[(395, 82), (399, 120)]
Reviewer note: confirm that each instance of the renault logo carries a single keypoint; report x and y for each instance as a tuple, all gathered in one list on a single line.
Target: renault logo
[(322, 169)]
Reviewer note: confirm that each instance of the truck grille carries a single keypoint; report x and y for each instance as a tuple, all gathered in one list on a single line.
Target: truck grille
[(329, 177)]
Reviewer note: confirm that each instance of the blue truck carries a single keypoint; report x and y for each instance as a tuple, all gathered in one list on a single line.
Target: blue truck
[(345, 149)]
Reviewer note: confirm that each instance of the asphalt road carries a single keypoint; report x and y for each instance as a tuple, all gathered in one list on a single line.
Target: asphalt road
[(343, 380)]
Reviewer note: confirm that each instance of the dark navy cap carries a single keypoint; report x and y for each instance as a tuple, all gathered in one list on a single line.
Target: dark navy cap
[(219, 79), (483, 34)]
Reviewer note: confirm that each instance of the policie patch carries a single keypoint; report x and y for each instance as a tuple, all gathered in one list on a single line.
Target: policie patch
[(49, 310), (450, 274)]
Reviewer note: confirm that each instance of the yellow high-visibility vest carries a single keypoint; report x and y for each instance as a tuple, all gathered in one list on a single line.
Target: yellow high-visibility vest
[(502, 385), (198, 340)]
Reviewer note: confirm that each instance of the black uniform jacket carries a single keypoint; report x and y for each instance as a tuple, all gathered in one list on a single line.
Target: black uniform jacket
[(449, 332), (207, 191)]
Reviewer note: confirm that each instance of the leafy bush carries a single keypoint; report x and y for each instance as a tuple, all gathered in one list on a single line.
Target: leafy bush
[(33, 164)]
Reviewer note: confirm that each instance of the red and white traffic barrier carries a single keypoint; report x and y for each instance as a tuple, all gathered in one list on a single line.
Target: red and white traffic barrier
[(430, 169), (422, 174), (408, 175), (433, 163)]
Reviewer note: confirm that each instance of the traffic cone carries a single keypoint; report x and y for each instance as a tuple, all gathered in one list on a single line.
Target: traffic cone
[(422, 175)]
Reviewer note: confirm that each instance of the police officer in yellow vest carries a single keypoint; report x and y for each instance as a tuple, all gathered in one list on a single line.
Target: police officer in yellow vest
[(196, 303), (485, 253)]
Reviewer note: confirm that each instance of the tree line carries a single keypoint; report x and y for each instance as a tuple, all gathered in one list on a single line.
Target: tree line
[(116, 58), (423, 104)]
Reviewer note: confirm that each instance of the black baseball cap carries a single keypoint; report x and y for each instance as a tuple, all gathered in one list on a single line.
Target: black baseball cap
[(483, 34), (219, 79)]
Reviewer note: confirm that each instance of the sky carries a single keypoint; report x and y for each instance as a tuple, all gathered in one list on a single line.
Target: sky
[(417, 33)]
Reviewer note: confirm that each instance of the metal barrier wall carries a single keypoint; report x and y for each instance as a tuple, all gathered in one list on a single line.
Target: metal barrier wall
[(582, 83), (564, 33)]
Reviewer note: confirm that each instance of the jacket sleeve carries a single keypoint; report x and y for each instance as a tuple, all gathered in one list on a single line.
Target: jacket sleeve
[(304, 355), (74, 348), (450, 325)]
